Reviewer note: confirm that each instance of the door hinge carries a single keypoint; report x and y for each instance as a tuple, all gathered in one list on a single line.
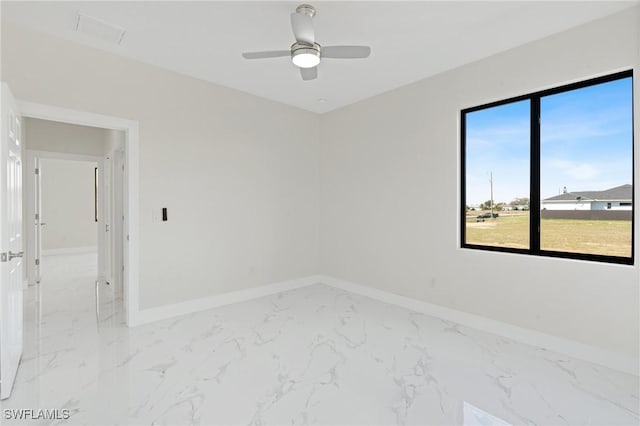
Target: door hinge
[(3, 257), (37, 170), (37, 216), (37, 262), (106, 227)]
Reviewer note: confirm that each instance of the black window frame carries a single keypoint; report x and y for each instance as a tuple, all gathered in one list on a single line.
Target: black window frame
[(534, 178)]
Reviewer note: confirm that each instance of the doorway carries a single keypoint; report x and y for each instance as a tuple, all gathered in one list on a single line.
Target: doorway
[(69, 239), (15, 214), (63, 197), (120, 164)]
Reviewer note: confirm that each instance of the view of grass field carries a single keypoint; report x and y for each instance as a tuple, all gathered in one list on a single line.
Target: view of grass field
[(507, 230), (511, 229)]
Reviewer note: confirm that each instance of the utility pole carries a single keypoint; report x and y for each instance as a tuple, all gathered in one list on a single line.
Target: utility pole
[(491, 183)]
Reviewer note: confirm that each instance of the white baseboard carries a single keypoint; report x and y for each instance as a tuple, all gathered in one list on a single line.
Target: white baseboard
[(196, 305), (70, 250), (613, 360)]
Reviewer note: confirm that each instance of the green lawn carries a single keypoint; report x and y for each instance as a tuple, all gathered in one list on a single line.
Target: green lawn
[(511, 229)]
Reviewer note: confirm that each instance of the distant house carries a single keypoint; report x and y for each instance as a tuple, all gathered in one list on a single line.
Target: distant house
[(618, 198)]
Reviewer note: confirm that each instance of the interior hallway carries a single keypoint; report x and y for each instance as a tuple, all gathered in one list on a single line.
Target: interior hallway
[(316, 355)]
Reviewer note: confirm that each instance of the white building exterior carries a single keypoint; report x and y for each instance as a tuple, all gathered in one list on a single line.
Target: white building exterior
[(618, 198)]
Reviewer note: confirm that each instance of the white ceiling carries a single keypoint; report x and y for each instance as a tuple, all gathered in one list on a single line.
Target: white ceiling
[(409, 40)]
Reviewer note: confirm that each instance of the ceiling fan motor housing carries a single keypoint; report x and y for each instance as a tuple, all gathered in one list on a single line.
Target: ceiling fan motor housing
[(306, 9)]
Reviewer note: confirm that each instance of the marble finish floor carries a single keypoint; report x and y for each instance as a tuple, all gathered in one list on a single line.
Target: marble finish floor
[(316, 355)]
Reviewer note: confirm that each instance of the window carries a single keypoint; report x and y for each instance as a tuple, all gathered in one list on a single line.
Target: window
[(498, 171), (551, 173)]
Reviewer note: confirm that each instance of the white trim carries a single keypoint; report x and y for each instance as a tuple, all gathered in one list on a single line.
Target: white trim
[(613, 360), (71, 116), (131, 129), (70, 250), (197, 305), (52, 155)]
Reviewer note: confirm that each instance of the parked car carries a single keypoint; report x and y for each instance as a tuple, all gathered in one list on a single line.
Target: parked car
[(483, 216)]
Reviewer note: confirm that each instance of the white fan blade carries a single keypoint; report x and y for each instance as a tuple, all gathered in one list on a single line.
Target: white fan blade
[(309, 73), (345, 52), (266, 54), (302, 26)]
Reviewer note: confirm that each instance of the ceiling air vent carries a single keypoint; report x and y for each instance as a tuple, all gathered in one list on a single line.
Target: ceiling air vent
[(100, 29)]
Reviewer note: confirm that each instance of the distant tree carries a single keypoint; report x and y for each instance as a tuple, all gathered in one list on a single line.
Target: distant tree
[(486, 205), (524, 201)]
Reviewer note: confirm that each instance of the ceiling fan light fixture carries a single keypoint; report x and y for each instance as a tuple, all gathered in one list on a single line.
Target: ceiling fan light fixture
[(305, 52), (305, 57)]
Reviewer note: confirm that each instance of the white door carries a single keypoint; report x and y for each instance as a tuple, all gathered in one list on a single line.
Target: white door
[(10, 243)]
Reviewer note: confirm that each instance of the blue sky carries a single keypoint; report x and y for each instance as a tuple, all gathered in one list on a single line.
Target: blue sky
[(585, 140)]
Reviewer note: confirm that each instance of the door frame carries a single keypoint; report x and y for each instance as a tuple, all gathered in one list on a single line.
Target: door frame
[(131, 187), (36, 156), (116, 163)]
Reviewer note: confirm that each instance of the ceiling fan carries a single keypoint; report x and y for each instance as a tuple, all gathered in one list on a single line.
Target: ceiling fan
[(305, 52)]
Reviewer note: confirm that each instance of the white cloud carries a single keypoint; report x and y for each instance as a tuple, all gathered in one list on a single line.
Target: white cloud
[(582, 171), (575, 170)]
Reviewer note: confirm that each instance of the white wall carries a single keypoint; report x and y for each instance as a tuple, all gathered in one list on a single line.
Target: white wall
[(114, 141), (242, 188), (239, 182), (585, 205), (390, 196), (45, 135), (68, 204), (611, 205)]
